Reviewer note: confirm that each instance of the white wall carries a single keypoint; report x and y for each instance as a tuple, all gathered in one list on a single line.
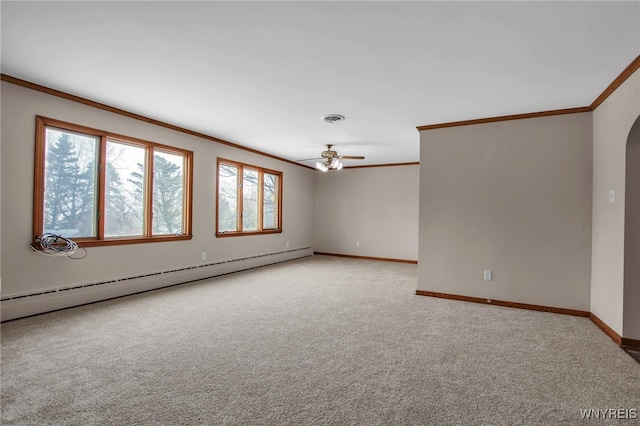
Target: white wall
[(514, 197), (612, 122), (377, 206), (25, 271)]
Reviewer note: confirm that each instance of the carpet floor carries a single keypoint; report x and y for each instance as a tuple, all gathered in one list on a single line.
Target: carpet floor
[(316, 341), (635, 353)]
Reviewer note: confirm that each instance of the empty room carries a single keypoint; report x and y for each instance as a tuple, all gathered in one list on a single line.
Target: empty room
[(320, 213)]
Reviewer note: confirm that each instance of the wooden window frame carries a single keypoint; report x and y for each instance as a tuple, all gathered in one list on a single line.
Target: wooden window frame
[(261, 171), (42, 123)]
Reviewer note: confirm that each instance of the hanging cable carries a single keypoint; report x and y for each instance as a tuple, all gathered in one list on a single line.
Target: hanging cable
[(56, 245)]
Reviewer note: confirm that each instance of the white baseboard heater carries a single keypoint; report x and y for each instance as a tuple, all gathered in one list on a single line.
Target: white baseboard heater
[(37, 302)]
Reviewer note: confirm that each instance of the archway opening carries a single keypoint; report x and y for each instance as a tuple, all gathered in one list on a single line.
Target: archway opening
[(631, 304)]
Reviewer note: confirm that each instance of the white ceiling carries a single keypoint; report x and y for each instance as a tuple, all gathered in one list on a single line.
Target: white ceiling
[(261, 74)]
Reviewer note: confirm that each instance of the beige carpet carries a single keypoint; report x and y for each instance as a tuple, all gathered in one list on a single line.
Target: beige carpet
[(321, 340), (634, 352)]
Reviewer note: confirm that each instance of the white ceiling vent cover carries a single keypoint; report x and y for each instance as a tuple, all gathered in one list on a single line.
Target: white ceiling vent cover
[(333, 118)]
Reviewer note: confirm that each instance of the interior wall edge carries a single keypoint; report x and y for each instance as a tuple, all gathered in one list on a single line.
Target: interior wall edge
[(613, 120), (605, 328)]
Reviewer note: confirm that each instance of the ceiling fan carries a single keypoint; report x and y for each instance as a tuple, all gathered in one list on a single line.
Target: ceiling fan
[(332, 159)]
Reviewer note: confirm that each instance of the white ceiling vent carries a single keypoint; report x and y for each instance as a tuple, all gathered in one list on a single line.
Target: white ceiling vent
[(333, 118)]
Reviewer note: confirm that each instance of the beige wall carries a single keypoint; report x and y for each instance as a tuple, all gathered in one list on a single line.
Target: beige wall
[(508, 196), (513, 197), (612, 122), (26, 271), (376, 206)]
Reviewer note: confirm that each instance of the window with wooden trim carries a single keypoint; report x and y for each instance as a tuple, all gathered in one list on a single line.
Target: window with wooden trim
[(99, 188), (249, 199)]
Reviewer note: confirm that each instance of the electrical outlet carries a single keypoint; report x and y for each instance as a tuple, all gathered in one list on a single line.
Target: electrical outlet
[(287, 244), (357, 243), (204, 255), (488, 275)]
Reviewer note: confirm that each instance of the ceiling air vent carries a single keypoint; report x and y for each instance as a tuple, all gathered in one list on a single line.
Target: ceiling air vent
[(333, 118)]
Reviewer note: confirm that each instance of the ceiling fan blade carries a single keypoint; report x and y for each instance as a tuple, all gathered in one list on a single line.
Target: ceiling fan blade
[(351, 157), (309, 159)]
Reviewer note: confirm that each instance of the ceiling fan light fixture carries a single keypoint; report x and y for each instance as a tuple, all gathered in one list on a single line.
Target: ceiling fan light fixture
[(322, 167), (333, 118), (330, 164), (331, 160)]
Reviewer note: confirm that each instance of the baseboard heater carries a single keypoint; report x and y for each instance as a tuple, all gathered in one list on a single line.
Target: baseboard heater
[(159, 278)]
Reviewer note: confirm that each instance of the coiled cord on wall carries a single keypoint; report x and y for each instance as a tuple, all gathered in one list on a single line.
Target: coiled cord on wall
[(56, 245)]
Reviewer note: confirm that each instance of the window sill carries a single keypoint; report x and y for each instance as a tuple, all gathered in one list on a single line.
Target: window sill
[(130, 240), (244, 234)]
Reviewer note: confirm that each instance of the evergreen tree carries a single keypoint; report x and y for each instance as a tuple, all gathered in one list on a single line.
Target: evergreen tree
[(121, 217), (270, 198), (69, 189), (226, 216), (227, 198), (167, 194)]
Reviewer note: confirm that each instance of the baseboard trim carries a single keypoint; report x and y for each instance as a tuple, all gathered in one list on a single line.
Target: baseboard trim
[(606, 329), (619, 340), (563, 311), (25, 305), (383, 259), (630, 343)]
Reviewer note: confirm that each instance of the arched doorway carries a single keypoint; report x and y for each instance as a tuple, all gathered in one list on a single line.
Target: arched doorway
[(631, 304)]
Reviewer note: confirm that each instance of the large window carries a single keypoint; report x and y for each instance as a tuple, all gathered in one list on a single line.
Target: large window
[(249, 199), (99, 188)]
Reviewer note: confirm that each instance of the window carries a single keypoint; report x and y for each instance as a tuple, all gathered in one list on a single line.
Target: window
[(249, 200), (99, 188)]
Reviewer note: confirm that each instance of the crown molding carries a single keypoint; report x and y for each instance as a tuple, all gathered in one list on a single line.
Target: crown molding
[(98, 105), (615, 84), (416, 163), (624, 75), (505, 118)]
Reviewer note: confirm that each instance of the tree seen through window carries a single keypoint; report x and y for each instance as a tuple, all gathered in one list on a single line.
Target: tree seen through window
[(94, 187), (249, 199)]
